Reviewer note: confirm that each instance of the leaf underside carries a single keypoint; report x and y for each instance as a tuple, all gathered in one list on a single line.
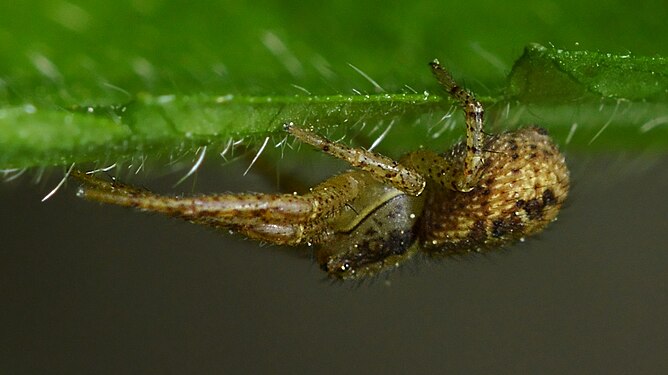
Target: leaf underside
[(587, 100)]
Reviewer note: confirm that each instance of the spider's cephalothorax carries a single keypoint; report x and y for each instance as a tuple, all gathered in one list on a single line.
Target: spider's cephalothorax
[(485, 192)]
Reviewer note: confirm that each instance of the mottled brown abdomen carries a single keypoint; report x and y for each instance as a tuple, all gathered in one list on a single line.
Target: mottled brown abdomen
[(522, 185)]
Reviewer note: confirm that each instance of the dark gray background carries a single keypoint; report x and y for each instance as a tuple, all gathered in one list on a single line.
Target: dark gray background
[(91, 288)]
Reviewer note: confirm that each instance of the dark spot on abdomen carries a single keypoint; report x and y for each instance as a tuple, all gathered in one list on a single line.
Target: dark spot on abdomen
[(534, 209), (501, 227), (478, 233), (549, 198)]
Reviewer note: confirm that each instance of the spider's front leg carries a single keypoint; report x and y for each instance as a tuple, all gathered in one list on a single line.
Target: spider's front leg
[(276, 218)]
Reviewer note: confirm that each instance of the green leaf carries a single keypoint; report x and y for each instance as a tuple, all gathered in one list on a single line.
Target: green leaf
[(550, 74), (162, 125)]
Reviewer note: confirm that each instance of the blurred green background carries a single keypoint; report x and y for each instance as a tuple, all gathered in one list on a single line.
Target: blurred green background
[(262, 47), (96, 289)]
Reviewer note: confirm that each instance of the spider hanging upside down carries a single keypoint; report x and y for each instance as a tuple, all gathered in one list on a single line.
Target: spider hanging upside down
[(483, 193)]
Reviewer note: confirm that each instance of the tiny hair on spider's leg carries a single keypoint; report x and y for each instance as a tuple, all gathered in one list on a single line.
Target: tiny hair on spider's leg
[(474, 114)]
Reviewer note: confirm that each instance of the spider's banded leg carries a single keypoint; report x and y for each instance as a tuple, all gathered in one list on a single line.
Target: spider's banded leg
[(277, 218), (381, 167), (474, 126)]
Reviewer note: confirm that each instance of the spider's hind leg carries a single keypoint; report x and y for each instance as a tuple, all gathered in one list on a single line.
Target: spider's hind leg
[(475, 136)]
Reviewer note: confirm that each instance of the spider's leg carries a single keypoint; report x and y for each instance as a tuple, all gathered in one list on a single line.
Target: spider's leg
[(381, 167), (276, 218), (474, 114)]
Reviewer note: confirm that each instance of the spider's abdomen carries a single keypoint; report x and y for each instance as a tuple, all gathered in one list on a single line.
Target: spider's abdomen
[(522, 185)]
